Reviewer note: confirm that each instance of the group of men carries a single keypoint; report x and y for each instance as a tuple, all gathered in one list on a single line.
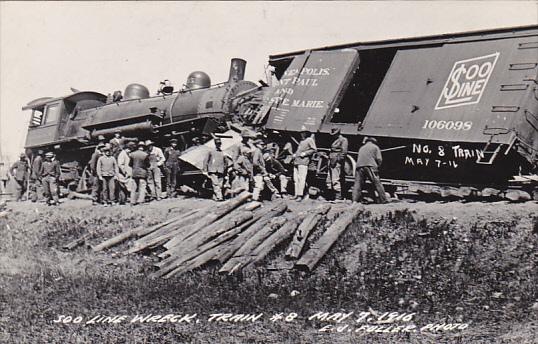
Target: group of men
[(257, 166), (40, 176), (127, 168)]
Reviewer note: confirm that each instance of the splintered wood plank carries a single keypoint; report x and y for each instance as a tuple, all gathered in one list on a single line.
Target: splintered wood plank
[(274, 240), (223, 252), (210, 252), (181, 253), (241, 256), (311, 257), (309, 223), (209, 218)]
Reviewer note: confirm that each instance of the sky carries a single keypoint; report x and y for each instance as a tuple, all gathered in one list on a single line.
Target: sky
[(48, 47)]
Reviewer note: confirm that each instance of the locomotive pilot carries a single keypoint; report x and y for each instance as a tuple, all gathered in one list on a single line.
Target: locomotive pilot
[(337, 156)]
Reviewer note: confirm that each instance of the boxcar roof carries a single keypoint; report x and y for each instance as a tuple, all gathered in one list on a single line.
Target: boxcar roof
[(518, 31)]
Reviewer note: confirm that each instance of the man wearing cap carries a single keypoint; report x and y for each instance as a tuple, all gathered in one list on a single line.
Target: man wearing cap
[(96, 184), (20, 172), (140, 164), (101, 139), (261, 176), (368, 162), (35, 178), (305, 150), (243, 171), (156, 160), (117, 143), (107, 172), (276, 169), (125, 179), (215, 167), (246, 141), (337, 157), (171, 155), (50, 173)]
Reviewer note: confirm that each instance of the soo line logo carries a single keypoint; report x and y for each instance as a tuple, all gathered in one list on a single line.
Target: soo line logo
[(467, 81)]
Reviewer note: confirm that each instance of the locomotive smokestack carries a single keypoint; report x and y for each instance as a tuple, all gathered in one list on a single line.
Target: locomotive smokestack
[(237, 70)]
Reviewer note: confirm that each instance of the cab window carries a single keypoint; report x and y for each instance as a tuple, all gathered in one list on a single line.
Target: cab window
[(37, 118), (52, 114)]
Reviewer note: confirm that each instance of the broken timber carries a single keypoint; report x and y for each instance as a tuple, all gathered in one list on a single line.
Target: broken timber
[(136, 232), (242, 255), (180, 252), (308, 224), (274, 240), (309, 260), (213, 216), (165, 232), (224, 251), (208, 252)]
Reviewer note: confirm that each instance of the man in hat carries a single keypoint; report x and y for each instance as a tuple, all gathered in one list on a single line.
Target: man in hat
[(246, 141), (276, 171), (140, 164), (305, 150), (117, 143), (107, 172), (35, 178), (156, 160), (261, 176), (92, 165), (125, 171), (243, 171), (368, 162), (101, 139), (215, 166), (20, 171), (171, 155), (50, 173), (337, 157), (117, 96)]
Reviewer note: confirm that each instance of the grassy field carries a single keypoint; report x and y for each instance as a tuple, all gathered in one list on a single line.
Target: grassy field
[(473, 264)]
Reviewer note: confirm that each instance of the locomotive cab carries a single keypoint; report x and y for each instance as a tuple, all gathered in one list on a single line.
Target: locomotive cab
[(53, 120)]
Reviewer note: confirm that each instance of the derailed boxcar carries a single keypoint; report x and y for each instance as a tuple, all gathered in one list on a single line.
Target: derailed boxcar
[(459, 109)]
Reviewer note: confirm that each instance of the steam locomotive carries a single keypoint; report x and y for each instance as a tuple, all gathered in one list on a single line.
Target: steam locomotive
[(458, 110), (71, 125)]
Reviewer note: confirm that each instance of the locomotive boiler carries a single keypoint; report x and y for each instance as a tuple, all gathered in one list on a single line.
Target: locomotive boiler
[(71, 125)]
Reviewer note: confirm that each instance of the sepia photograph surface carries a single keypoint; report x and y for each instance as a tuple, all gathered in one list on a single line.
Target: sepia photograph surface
[(269, 172)]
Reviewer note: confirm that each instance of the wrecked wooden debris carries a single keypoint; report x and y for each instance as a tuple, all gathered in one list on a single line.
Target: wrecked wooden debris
[(308, 224), (317, 250)]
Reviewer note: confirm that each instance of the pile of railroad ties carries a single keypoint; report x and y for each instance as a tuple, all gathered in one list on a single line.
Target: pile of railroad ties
[(238, 234)]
